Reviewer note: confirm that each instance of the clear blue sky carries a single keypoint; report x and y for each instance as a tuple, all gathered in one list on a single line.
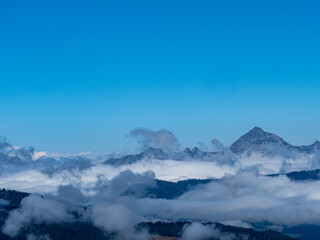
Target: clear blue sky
[(78, 75)]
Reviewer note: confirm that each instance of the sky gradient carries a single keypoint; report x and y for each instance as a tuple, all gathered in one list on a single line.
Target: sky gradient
[(79, 75)]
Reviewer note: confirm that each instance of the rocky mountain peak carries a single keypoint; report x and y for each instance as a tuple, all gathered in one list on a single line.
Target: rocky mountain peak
[(316, 144), (195, 150), (255, 140), (187, 150)]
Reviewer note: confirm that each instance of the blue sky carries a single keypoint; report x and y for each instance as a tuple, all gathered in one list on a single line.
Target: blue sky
[(79, 75)]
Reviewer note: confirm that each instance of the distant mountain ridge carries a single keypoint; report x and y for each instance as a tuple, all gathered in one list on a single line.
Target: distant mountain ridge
[(159, 154), (155, 153), (257, 139)]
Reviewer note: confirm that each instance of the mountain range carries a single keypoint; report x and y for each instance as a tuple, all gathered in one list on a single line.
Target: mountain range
[(159, 154), (256, 140)]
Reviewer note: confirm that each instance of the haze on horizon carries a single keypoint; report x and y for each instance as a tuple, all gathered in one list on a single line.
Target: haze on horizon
[(79, 76)]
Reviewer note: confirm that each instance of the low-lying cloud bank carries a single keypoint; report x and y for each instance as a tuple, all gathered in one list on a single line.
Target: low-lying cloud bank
[(46, 175), (38, 210), (117, 205), (109, 207), (246, 196)]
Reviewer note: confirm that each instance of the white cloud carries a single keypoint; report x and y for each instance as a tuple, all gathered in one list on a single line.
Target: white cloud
[(37, 209)]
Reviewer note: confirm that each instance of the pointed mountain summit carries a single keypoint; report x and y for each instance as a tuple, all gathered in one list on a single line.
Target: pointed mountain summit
[(255, 140)]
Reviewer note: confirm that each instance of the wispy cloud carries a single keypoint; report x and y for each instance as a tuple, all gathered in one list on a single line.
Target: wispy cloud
[(163, 139)]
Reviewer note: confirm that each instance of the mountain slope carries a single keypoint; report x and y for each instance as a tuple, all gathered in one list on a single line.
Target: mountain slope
[(257, 140)]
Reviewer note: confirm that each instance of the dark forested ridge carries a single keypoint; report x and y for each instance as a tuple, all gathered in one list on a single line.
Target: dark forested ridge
[(63, 231), (253, 234), (14, 197), (306, 175), (172, 190), (86, 231), (175, 229)]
